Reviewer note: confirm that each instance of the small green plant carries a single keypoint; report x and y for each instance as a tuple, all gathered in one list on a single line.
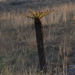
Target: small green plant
[(41, 73), (2, 64), (39, 36)]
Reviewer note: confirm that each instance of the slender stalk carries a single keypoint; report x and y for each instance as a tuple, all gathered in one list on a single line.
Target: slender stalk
[(40, 45)]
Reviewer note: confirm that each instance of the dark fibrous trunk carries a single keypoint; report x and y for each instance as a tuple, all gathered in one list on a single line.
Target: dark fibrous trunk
[(40, 45)]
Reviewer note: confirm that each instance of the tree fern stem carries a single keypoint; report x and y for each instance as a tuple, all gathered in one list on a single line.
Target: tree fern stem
[(40, 44)]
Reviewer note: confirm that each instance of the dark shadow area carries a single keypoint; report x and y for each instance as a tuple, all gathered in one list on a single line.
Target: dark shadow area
[(23, 5)]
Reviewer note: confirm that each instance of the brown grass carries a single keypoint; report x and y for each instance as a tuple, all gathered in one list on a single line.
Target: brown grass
[(18, 50)]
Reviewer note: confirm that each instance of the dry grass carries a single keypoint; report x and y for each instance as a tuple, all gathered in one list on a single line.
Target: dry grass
[(61, 13), (18, 50)]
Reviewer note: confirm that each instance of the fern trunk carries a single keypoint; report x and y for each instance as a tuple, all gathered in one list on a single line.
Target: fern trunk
[(40, 45)]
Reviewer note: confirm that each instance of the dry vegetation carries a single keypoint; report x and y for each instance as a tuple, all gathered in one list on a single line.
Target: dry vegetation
[(18, 51)]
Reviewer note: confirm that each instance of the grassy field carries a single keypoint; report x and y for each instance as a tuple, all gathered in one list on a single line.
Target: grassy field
[(18, 50)]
